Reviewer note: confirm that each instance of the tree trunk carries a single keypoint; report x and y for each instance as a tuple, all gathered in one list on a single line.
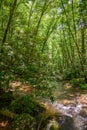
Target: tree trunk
[(9, 21)]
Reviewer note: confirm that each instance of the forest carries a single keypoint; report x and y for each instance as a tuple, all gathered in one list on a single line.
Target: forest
[(43, 64)]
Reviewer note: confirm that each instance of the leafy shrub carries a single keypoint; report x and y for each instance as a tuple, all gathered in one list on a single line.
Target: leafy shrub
[(23, 122), (83, 86), (76, 82), (26, 104), (5, 98)]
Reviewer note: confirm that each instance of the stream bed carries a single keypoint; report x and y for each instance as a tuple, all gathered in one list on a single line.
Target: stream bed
[(72, 102)]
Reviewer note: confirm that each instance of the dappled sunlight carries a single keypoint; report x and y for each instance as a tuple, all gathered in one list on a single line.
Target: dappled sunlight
[(17, 86), (67, 86), (4, 125), (43, 64), (82, 99)]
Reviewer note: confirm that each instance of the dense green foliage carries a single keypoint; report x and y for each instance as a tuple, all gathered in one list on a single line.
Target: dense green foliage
[(41, 42), (26, 104), (42, 39)]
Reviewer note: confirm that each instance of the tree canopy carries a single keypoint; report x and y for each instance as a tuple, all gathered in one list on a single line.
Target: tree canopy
[(40, 38)]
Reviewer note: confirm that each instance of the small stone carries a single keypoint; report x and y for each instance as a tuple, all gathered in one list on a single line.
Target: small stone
[(55, 125), (83, 113)]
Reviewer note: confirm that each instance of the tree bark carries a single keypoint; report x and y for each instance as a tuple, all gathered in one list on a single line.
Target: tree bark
[(9, 22)]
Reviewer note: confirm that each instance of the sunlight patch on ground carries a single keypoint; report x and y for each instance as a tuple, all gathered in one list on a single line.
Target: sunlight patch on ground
[(20, 88)]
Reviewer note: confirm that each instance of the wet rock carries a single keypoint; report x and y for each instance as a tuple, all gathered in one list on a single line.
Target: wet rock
[(61, 123), (66, 123), (80, 123)]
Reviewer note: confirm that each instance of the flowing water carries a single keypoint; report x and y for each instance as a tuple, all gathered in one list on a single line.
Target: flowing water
[(72, 102)]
